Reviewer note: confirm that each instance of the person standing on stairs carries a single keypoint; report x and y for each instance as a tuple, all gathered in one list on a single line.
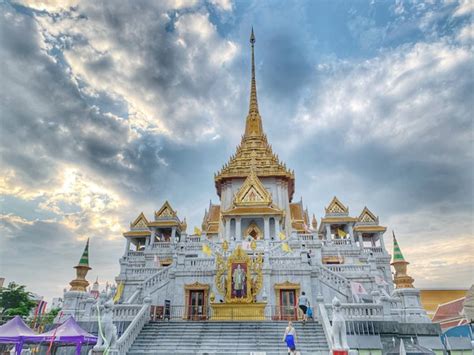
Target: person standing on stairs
[(303, 304), (290, 338)]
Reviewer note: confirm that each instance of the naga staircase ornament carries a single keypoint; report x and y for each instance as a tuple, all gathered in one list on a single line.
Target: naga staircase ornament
[(251, 266)]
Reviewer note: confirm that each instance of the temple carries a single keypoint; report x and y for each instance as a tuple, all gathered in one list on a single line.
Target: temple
[(256, 250)]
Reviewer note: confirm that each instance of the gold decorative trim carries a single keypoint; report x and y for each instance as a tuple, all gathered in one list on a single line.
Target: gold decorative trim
[(370, 229), (252, 192), (137, 234), (366, 216), (336, 206), (166, 211), (341, 219), (139, 222)]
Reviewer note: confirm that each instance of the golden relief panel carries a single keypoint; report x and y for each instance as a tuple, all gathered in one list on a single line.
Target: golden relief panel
[(240, 277), (336, 206), (367, 216)]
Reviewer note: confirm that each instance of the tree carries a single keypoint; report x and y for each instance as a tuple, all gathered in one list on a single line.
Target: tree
[(49, 317), (15, 300)]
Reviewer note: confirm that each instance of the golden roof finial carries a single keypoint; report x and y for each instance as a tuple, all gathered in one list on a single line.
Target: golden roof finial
[(254, 152), (253, 126)]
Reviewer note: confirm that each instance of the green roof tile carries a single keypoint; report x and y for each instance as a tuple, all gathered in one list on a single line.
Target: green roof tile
[(85, 256)]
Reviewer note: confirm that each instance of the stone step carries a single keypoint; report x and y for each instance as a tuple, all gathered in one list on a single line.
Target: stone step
[(261, 338)]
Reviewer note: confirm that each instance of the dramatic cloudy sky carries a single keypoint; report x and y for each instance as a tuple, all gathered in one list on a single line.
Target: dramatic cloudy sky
[(110, 108)]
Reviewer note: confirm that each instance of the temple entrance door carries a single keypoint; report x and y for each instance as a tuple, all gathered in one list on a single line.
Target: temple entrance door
[(196, 309), (288, 309)]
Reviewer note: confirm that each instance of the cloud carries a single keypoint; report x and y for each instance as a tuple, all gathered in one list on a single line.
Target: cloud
[(111, 108), (161, 65)]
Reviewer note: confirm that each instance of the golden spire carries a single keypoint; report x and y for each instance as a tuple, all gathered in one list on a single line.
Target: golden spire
[(254, 152), (80, 283), (401, 278), (253, 124)]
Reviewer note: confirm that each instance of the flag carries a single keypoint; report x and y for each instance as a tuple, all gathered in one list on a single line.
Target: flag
[(118, 293), (282, 235), (358, 289), (206, 249), (285, 247), (54, 334), (39, 311), (341, 233), (197, 231)]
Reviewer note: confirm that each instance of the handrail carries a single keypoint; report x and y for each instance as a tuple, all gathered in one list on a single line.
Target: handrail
[(128, 337), (338, 282), (324, 319), (121, 312), (161, 275), (360, 311), (134, 295)]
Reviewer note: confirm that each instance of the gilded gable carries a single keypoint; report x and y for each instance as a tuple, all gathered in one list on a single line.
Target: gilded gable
[(367, 217), (336, 207), (165, 212), (252, 192), (140, 222)]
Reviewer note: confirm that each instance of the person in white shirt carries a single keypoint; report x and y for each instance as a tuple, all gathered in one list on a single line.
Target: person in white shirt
[(303, 304), (290, 338)]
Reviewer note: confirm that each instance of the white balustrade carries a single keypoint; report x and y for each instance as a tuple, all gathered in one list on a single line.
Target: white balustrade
[(346, 268), (374, 250), (122, 312), (285, 262), (193, 239), (161, 277), (337, 242), (125, 342), (359, 311), (325, 322), (200, 263), (161, 245), (306, 237), (141, 271), (338, 282)]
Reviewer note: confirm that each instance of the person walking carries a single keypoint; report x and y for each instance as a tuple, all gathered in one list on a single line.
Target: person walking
[(303, 304), (290, 338)]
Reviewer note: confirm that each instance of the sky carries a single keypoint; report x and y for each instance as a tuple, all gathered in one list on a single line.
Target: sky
[(110, 108)]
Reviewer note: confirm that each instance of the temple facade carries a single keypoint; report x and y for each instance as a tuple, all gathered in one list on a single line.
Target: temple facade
[(258, 249)]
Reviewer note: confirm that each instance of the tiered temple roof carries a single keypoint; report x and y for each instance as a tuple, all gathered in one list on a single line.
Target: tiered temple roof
[(254, 152)]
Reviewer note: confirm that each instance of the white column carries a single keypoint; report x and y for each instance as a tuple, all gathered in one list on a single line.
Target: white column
[(266, 228), (238, 228), (328, 232), (382, 242), (361, 240), (173, 233), (127, 246), (227, 229), (277, 228), (351, 232)]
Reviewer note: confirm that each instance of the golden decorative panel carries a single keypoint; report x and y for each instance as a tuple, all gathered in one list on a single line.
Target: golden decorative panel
[(239, 277), (166, 211), (252, 192), (336, 206), (367, 216), (140, 222)]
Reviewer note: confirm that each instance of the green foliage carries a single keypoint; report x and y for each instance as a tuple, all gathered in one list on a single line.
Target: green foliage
[(48, 318), (15, 300)]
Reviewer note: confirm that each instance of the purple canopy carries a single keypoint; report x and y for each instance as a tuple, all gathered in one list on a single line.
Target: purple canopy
[(68, 332), (15, 331)]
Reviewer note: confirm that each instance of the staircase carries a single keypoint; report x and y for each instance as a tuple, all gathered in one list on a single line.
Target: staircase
[(262, 338)]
